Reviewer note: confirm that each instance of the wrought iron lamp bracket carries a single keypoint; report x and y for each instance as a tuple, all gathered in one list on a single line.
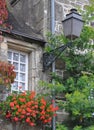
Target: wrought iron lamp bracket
[(14, 2), (50, 57)]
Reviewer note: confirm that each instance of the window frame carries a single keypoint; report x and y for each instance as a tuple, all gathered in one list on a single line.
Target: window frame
[(19, 71), (35, 66)]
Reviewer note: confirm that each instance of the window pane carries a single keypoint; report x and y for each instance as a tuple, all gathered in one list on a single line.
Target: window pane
[(16, 76), (16, 65), (9, 55), (16, 56), (10, 62), (23, 86), (22, 67), (22, 77), (22, 58), (15, 86)]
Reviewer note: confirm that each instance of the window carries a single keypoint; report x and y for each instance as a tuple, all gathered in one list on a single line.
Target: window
[(20, 61)]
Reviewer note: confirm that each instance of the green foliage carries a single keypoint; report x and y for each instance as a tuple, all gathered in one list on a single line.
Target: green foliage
[(78, 81), (47, 88), (69, 85), (54, 41), (90, 128), (80, 103), (77, 128), (85, 81), (61, 127), (88, 13)]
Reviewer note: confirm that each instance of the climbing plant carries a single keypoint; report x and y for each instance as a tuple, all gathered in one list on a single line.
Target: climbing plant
[(78, 79)]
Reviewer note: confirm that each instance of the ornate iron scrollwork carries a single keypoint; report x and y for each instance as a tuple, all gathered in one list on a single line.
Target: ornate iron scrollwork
[(50, 57), (14, 2)]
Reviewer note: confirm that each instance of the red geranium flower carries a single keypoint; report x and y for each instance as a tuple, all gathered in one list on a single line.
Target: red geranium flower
[(11, 104), (28, 108)]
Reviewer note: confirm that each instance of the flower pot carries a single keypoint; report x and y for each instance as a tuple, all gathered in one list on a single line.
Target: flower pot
[(21, 126), (4, 125)]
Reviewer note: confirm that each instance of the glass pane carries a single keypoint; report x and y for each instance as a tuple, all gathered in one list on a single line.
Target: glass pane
[(16, 76), (15, 86), (23, 86), (22, 77), (10, 62), (9, 55), (16, 56), (22, 58), (22, 67), (16, 65)]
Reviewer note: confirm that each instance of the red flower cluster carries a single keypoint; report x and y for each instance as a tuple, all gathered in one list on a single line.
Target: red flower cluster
[(3, 12), (46, 111), (28, 108), (7, 74)]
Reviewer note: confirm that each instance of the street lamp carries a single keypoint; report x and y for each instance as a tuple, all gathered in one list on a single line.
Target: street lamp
[(72, 26)]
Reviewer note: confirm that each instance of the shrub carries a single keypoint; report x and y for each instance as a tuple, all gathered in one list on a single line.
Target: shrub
[(77, 128), (61, 127), (89, 128)]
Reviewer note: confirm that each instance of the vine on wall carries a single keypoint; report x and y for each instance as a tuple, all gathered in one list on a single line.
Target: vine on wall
[(3, 13)]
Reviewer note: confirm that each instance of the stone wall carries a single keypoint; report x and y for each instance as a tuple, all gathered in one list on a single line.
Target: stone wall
[(3, 49), (33, 17), (62, 7)]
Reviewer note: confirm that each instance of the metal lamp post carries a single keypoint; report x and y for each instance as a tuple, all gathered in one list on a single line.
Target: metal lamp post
[(72, 27)]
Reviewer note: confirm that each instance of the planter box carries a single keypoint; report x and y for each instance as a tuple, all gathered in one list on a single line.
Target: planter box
[(12, 126)]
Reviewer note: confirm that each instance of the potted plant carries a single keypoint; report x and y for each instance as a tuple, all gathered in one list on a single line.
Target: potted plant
[(27, 109)]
